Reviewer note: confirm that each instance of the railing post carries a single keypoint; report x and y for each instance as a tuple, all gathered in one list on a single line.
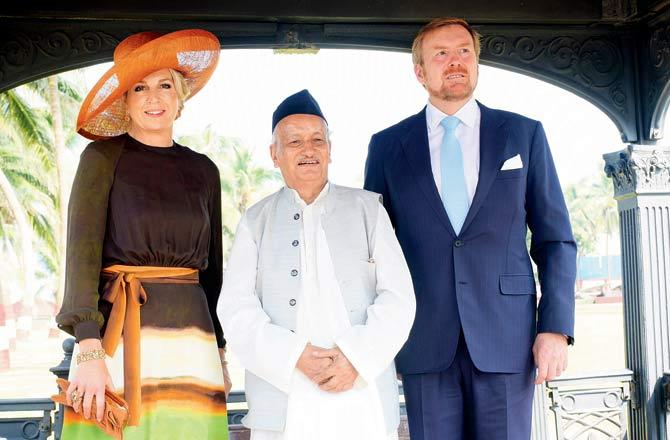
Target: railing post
[(665, 383), (62, 371), (539, 426)]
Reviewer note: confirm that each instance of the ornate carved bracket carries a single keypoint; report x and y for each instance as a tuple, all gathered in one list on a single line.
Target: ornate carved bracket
[(658, 94), (591, 66), (639, 170)]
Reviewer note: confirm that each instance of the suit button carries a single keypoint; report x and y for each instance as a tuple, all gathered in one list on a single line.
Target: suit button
[(295, 243), (296, 217), (458, 243), (294, 273), (291, 302)]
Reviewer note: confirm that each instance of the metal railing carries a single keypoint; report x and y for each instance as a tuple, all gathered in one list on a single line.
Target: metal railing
[(589, 407), (592, 407), (29, 423)]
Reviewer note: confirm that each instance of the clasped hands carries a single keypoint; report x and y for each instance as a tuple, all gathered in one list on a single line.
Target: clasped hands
[(328, 368)]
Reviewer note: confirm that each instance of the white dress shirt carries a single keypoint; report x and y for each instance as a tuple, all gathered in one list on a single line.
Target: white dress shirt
[(322, 319), (467, 134)]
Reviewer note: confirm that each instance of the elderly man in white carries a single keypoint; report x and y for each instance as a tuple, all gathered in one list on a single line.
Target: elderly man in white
[(317, 298)]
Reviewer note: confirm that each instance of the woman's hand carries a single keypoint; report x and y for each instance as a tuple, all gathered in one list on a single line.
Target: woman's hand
[(227, 383), (90, 381)]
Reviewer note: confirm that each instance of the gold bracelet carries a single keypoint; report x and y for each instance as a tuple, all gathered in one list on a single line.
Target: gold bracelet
[(90, 355)]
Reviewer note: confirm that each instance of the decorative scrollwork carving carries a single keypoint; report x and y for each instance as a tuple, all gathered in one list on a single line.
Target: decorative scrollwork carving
[(54, 45), (496, 46), (22, 51), (659, 47), (563, 52), (659, 73), (600, 62), (593, 63), (528, 49), (18, 52), (617, 95), (93, 42)]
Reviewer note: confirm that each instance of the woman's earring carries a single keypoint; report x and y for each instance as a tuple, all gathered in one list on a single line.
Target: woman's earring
[(126, 117)]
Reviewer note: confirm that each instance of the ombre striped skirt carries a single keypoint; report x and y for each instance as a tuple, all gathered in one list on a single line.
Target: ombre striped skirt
[(182, 382)]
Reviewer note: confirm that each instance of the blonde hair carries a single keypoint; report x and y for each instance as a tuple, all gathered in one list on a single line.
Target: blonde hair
[(181, 87), (417, 56)]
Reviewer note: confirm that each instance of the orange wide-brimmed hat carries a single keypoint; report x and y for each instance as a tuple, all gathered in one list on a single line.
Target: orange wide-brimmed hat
[(193, 52)]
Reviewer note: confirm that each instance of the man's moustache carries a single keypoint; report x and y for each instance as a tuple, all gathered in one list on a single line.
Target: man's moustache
[(451, 72)]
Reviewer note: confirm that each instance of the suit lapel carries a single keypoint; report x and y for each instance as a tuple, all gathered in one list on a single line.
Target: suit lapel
[(415, 147), (493, 133)]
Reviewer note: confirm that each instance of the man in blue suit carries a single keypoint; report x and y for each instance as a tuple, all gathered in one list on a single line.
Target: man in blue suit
[(462, 183)]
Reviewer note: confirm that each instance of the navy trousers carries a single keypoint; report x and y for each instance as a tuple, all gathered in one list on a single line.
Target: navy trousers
[(463, 403)]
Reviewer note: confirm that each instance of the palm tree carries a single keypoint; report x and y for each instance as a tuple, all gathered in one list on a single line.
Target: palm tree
[(602, 190), (34, 126), (245, 179), (26, 254), (593, 213), (242, 181), (21, 126), (62, 97)]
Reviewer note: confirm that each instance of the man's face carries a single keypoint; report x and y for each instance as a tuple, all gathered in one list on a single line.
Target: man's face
[(449, 71), (302, 151)]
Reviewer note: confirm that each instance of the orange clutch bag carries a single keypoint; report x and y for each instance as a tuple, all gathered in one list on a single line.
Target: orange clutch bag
[(116, 410)]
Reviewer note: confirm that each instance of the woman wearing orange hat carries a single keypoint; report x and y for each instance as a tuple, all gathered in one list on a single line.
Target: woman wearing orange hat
[(144, 253)]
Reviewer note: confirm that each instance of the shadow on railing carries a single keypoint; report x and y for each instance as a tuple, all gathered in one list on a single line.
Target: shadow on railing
[(589, 407)]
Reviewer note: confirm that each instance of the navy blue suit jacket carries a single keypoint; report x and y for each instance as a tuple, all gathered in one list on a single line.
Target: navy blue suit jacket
[(481, 280)]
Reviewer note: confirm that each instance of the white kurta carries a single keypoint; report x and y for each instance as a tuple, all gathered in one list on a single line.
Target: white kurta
[(322, 320), (322, 317)]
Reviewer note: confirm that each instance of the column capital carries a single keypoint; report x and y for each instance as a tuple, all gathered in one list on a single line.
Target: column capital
[(638, 170)]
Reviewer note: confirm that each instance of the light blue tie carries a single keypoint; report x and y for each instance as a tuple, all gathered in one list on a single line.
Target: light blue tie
[(454, 192)]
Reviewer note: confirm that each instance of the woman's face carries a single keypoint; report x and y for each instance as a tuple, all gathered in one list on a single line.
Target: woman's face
[(153, 104)]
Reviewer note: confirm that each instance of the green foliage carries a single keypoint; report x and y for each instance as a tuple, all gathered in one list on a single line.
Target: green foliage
[(28, 159), (242, 181), (593, 211)]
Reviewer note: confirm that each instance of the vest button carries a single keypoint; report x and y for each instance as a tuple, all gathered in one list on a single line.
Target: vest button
[(294, 273), (458, 243), (296, 217), (291, 302), (295, 243)]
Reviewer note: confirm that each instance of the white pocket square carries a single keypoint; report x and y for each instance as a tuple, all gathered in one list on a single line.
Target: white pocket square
[(512, 163)]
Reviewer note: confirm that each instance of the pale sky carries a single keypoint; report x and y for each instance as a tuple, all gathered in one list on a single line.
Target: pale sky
[(362, 92)]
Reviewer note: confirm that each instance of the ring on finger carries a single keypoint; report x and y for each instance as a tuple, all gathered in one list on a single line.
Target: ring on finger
[(74, 396)]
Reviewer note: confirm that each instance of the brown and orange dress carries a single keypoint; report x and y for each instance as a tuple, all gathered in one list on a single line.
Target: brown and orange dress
[(144, 271)]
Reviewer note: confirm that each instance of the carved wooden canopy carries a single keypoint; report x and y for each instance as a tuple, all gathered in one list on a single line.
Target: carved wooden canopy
[(614, 53)]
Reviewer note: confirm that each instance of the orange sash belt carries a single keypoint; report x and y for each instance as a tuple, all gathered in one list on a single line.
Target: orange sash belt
[(124, 290)]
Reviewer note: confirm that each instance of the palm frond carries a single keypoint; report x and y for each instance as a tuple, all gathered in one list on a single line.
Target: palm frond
[(69, 90), (29, 126)]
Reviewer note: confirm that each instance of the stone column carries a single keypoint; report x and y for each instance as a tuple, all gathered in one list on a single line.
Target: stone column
[(641, 177)]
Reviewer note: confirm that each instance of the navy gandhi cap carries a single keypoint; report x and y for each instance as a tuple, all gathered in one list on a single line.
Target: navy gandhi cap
[(299, 103)]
